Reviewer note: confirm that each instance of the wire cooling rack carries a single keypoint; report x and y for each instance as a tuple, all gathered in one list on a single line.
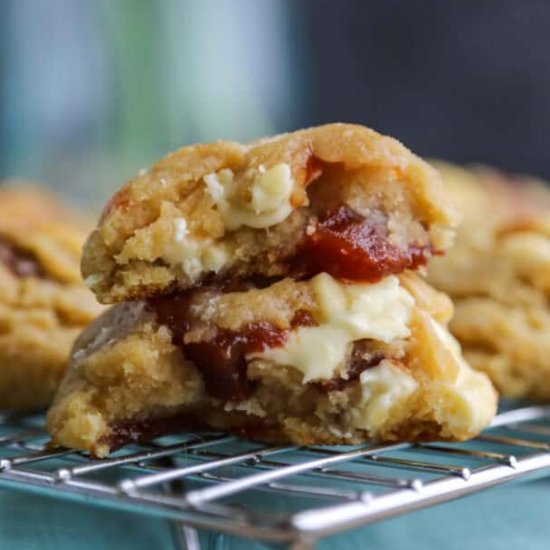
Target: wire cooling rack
[(284, 495)]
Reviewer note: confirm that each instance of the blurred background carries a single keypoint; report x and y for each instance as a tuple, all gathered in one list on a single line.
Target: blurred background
[(91, 91)]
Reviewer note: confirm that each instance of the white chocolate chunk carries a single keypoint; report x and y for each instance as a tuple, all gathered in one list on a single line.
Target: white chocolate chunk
[(269, 202), (380, 311), (383, 388), (195, 255)]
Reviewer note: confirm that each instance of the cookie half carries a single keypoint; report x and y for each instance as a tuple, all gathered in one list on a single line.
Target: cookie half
[(498, 275), (317, 361), (340, 199), (43, 301)]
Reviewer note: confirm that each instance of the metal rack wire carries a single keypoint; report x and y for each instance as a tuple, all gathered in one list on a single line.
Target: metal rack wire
[(213, 481)]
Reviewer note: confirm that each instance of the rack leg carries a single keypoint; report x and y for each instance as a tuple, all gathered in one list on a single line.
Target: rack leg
[(185, 537)]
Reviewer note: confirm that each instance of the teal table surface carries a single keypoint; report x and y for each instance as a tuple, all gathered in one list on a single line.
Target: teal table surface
[(515, 516)]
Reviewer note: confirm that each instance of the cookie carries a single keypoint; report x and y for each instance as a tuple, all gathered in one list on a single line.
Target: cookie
[(498, 275), (339, 198), (269, 290), (314, 361), (43, 302)]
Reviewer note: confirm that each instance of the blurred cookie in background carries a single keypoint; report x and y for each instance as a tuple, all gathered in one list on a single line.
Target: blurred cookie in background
[(498, 274), (43, 302)]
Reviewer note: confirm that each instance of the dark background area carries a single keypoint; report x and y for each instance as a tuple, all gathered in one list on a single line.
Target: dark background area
[(466, 80), (93, 90)]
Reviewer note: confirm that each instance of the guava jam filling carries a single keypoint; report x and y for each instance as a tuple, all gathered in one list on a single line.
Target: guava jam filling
[(350, 247), (221, 360)]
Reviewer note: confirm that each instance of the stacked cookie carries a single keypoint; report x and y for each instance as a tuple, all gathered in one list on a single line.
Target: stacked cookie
[(498, 274), (43, 301), (271, 290)]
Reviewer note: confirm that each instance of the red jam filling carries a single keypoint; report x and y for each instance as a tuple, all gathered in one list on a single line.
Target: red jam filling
[(351, 247), (221, 360), (133, 430), (21, 263), (127, 431)]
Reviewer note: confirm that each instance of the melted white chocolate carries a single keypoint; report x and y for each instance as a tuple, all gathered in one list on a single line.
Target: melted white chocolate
[(268, 200), (379, 311)]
